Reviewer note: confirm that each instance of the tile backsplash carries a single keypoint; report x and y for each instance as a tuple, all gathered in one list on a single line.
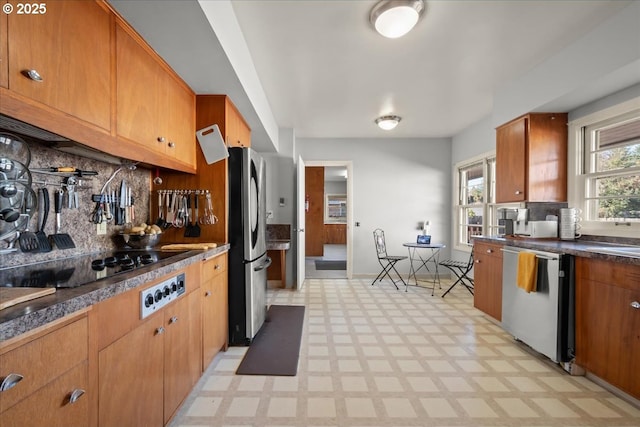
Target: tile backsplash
[(77, 222)]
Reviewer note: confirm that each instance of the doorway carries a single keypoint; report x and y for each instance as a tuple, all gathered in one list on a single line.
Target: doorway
[(328, 217)]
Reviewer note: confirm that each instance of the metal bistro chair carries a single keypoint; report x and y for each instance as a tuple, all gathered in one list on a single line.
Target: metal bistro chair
[(387, 262), (461, 269)]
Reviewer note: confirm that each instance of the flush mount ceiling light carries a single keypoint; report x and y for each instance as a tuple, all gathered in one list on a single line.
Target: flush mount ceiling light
[(395, 18), (388, 122)]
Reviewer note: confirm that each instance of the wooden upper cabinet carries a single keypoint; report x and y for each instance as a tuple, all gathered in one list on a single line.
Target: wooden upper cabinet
[(531, 159), (4, 52), (232, 125), (154, 109), (62, 58)]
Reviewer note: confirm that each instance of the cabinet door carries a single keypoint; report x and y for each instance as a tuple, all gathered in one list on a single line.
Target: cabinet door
[(209, 321), (487, 273), (130, 376), (52, 405), (632, 346), (511, 161), (139, 93), (69, 47), (244, 132), (4, 49), (182, 132), (177, 379)]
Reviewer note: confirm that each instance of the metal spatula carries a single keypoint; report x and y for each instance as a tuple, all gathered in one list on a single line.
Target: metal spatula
[(61, 240)]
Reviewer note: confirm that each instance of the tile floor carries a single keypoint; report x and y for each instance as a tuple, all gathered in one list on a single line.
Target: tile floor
[(373, 356), (331, 252)]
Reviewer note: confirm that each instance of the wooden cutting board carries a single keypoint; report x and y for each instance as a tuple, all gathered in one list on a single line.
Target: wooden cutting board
[(13, 296), (188, 246)]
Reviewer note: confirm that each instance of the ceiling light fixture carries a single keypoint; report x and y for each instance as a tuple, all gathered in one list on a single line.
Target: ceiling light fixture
[(388, 122), (395, 18)]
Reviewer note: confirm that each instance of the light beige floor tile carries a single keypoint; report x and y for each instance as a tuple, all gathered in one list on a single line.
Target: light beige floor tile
[(595, 408), (525, 384), (559, 384), (400, 351), (217, 383), (372, 351), (554, 408), (422, 384), (440, 366), (360, 408), (345, 351), (399, 408), (243, 407), (251, 383), (318, 365), (388, 384), (281, 407), (204, 407), (321, 407), (410, 366), (491, 384), (349, 366), (516, 408), (471, 366), (456, 384), (354, 384), (438, 408), (320, 383), (285, 384), (379, 366), (477, 408)]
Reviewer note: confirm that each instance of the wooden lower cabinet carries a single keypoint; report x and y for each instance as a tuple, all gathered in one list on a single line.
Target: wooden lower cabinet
[(487, 274), (215, 318), (335, 234), (131, 372), (607, 322), (53, 366)]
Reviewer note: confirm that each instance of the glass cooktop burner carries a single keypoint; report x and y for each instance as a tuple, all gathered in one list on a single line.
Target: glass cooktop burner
[(78, 271)]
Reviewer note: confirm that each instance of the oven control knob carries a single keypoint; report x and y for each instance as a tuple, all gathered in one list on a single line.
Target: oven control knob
[(180, 284), (166, 290), (174, 287), (158, 295), (148, 300)]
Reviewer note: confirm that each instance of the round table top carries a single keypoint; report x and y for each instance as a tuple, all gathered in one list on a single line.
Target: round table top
[(424, 245)]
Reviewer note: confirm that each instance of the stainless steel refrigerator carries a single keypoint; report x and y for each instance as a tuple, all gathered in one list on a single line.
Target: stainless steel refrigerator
[(248, 259)]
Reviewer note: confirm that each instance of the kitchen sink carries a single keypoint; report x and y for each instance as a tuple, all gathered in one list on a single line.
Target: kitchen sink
[(629, 251)]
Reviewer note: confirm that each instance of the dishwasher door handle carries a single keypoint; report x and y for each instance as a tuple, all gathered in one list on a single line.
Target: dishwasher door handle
[(537, 256)]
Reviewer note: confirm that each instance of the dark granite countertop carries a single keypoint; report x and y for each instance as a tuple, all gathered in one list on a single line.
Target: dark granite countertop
[(29, 315), (278, 245), (576, 247)]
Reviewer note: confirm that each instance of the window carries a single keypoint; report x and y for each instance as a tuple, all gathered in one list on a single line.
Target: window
[(475, 210), (335, 208), (612, 169), (604, 179)]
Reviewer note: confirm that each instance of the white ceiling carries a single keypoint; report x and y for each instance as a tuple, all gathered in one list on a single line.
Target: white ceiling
[(326, 73)]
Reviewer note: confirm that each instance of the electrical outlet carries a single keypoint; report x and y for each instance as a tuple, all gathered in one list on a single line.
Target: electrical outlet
[(102, 228)]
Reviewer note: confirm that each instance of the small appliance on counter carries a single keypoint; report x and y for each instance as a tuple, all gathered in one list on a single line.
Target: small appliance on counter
[(536, 229)]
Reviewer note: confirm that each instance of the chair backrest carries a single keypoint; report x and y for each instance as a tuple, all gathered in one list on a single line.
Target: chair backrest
[(470, 262), (381, 246)]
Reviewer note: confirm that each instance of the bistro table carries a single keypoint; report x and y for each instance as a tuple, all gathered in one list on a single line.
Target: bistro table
[(430, 254)]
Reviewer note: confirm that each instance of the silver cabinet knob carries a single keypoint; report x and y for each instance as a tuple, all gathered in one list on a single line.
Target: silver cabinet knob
[(207, 294), (171, 144), (10, 381), (217, 267), (160, 330), (635, 305), (518, 192), (173, 319), (489, 251), (161, 139), (33, 75), (75, 395), (477, 261)]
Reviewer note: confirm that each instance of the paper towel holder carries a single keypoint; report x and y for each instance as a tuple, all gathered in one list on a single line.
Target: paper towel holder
[(212, 144)]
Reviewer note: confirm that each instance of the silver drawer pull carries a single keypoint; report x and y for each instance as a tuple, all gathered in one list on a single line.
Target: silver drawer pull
[(171, 144), (75, 395), (173, 319), (207, 294), (34, 75), (518, 192), (161, 139), (160, 330), (216, 267), (10, 381), (635, 305)]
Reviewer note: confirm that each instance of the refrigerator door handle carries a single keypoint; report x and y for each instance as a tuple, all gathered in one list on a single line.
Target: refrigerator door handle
[(265, 264)]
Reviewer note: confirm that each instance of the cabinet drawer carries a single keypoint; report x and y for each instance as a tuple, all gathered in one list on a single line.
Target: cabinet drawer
[(42, 360), (214, 266), (54, 402), (608, 272)]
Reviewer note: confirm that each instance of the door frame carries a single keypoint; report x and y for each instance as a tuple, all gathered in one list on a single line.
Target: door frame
[(348, 164)]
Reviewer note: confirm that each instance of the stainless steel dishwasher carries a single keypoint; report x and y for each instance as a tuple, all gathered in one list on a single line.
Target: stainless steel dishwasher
[(545, 319)]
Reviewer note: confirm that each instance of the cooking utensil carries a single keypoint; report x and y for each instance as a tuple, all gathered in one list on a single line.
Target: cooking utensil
[(65, 169), (28, 240), (160, 222), (43, 214), (171, 209), (188, 225), (195, 228), (9, 214), (157, 180), (60, 240)]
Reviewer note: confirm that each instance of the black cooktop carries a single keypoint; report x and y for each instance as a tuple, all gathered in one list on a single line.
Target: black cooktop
[(78, 271)]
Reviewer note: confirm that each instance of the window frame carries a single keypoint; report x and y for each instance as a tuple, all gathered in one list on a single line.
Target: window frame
[(578, 181)]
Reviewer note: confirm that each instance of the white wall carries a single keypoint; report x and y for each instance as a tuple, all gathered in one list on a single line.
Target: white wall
[(397, 183)]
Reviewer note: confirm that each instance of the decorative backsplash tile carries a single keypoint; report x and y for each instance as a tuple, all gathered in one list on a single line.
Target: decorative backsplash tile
[(278, 231), (77, 222)]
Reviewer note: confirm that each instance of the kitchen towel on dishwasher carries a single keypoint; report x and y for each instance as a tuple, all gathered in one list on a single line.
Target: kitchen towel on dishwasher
[(527, 271)]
